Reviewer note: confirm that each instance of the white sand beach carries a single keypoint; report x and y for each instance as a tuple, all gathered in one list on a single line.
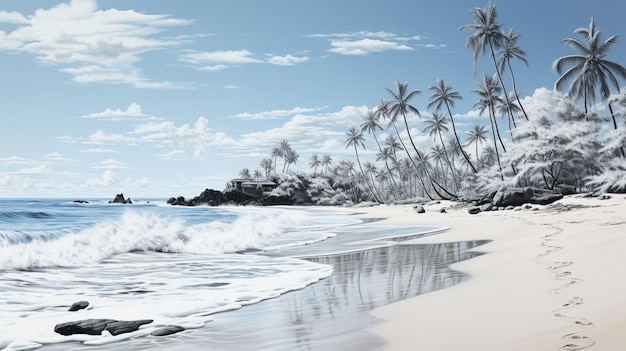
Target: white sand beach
[(553, 278)]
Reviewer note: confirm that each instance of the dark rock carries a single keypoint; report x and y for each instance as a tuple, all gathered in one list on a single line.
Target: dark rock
[(420, 209), (518, 196), (486, 207), (81, 201), (78, 306), (121, 327), (96, 326), (119, 199), (277, 200), (604, 197), (85, 326), (168, 330), (207, 197), (443, 210), (473, 210)]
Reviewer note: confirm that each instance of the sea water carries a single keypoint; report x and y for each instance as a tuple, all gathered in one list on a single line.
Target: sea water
[(149, 260)]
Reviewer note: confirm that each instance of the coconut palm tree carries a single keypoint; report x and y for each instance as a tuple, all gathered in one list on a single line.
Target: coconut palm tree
[(488, 91), (487, 35), (291, 158), (266, 164), (509, 50), (589, 70), (356, 139), (444, 95), (400, 106), (276, 153), (327, 160), (477, 136), (436, 126), (245, 173), (314, 163), (509, 107), (386, 155)]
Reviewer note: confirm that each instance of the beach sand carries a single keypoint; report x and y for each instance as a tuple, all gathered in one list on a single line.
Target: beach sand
[(552, 278)]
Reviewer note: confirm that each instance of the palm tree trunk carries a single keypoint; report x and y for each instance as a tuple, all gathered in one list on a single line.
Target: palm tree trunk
[(621, 148), (515, 90), (506, 95), (495, 144), (397, 189), (369, 187), (445, 152), (412, 162), (459, 141), (421, 158)]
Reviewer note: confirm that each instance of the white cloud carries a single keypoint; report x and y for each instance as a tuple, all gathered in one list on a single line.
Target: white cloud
[(195, 136), (98, 151), (13, 160), (287, 60), (133, 112), (174, 155), (365, 47), (55, 156), (101, 137), (12, 17), (218, 60), (274, 114), (92, 45), (110, 164), (39, 171)]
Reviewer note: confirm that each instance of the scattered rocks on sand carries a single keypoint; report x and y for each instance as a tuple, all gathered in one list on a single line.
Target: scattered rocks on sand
[(420, 209), (474, 210), (78, 306), (168, 330), (97, 326)]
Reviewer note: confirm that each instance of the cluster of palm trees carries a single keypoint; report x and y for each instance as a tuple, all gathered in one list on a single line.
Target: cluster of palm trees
[(587, 71), (403, 171)]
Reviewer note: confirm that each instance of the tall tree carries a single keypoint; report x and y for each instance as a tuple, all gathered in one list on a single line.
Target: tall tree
[(487, 92), (487, 36), (327, 160), (589, 69), (266, 164), (400, 106), (436, 126), (477, 136), (443, 94), (245, 173), (355, 138), (314, 163), (509, 50)]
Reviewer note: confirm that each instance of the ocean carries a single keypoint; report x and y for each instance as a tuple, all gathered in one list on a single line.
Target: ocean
[(200, 268)]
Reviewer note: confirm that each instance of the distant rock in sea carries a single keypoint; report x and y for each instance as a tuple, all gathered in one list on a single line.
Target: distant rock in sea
[(168, 330), (97, 326), (119, 199)]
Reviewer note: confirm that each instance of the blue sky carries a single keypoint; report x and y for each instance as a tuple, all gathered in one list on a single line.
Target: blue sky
[(167, 98)]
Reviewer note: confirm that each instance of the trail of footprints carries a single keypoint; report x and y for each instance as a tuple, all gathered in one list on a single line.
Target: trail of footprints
[(576, 340)]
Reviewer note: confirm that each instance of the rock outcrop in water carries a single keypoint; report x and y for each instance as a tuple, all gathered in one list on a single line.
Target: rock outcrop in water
[(119, 199), (97, 326)]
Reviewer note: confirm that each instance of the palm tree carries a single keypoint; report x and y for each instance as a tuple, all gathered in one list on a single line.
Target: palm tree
[(589, 69), (355, 138), (400, 106), (509, 50), (314, 163), (285, 150), (487, 35), (291, 158), (266, 164), (385, 155), (276, 152), (476, 136), (257, 175), (326, 161), (444, 95), (487, 92), (508, 106), (436, 126), (245, 173)]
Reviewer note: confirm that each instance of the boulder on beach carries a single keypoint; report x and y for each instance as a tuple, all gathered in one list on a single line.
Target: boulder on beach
[(97, 326), (78, 306), (514, 196)]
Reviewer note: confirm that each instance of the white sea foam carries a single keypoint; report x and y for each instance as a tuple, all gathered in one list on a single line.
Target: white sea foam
[(145, 231)]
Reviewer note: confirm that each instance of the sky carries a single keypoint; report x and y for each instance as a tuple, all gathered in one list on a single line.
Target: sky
[(155, 99)]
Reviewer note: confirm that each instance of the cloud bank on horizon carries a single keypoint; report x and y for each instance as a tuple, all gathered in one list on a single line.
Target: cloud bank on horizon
[(159, 100)]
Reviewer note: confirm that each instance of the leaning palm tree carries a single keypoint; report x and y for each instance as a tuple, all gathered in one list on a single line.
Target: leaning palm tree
[(509, 50), (436, 126), (383, 110), (386, 155), (508, 106), (589, 70), (487, 35), (400, 106), (356, 139), (477, 136), (327, 160), (444, 95), (488, 95)]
